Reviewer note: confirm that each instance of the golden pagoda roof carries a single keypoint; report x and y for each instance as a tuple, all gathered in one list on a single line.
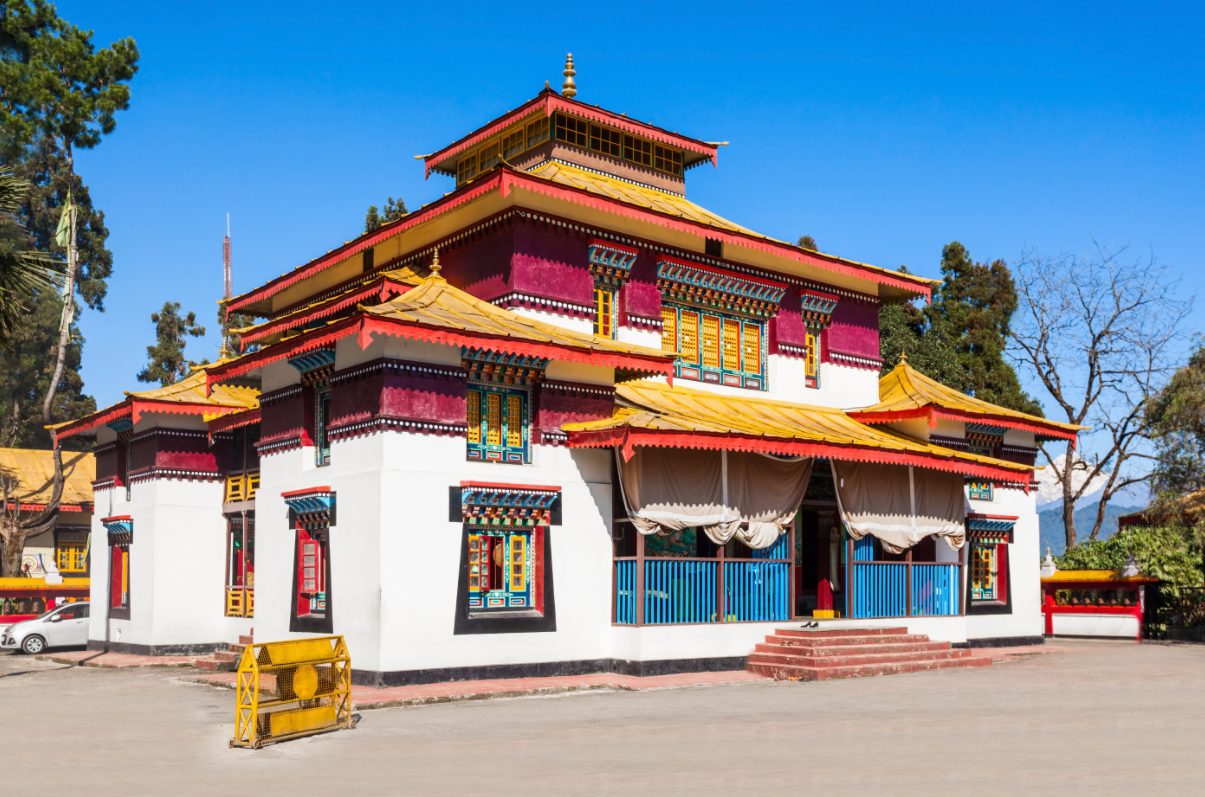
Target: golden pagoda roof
[(190, 396), (33, 473), (905, 392), (1093, 577), (276, 328), (437, 303), (437, 311), (687, 418), (631, 193), (193, 390)]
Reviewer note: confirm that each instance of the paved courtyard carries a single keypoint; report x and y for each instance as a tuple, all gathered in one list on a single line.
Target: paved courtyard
[(1097, 718)]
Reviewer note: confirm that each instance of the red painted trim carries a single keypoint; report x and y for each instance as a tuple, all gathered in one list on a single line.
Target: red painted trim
[(381, 289), (504, 486), (447, 203), (1095, 609), (235, 421), (1042, 430), (115, 519), (550, 102), (365, 326), (992, 517), (306, 491), (93, 421), (142, 406), (629, 439), (504, 180), (612, 245), (21, 507)]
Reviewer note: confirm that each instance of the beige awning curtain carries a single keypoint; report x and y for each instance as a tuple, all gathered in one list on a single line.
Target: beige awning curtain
[(751, 497), (900, 505)]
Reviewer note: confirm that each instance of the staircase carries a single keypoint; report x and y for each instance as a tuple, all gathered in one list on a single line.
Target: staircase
[(225, 660), (794, 654)]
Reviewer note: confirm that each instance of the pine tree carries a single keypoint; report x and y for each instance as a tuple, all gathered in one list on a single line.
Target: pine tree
[(393, 210), (166, 362), (959, 339), (1176, 419)]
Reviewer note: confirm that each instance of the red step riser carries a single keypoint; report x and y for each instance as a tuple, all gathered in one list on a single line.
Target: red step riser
[(849, 641), (854, 661), (785, 672), (771, 645), (839, 632)]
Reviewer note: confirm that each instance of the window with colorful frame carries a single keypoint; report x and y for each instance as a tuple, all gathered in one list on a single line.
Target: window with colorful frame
[(988, 572), (715, 347), (506, 575), (988, 538), (811, 359), (312, 574), (604, 311), (240, 565), (119, 579), (71, 552), (311, 514), (322, 420), (497, 424), (980, 490)]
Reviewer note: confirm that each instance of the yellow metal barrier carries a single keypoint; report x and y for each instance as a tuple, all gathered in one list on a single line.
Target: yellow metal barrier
[(290, 689)]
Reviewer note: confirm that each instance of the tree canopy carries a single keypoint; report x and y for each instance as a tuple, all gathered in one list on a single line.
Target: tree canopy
[(959, 339), (166, 363), (393, 210), (1176, 419), (58, 93)]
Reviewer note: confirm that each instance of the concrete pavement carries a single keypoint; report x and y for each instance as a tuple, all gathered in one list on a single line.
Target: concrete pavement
[(1096, 718)]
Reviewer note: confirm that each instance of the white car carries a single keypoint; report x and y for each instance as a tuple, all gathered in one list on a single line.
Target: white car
[(66, 626)]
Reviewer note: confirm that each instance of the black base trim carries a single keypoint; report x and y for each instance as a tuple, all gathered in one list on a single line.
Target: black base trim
[(1001, 642), (157, 650), (546, 669)]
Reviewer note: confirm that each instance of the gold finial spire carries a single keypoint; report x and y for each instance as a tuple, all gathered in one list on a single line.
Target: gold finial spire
[(569, 88), (903, 358), (435, 267)]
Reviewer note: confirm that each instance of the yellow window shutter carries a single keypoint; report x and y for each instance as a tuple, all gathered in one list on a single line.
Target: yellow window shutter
[(711, 341), (732, 345), (751, 335), (518, 563), (473, 417), (493, 419), (669, 330), (514, 421)]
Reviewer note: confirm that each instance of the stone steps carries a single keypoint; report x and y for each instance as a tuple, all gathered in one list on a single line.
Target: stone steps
[(225, 660), (796, 654)]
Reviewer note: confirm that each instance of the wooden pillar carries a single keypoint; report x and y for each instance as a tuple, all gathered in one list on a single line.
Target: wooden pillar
[(791, 567), (639, 576), (849, 577), (908, 583)]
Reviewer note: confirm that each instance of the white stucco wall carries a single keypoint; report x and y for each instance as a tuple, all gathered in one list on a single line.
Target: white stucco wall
[(176, 564), (1097, 625)]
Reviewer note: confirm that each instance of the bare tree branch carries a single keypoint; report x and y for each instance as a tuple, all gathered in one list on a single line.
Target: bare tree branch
[(1100, 335)]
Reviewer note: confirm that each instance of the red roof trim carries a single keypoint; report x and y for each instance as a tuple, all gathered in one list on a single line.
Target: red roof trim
[(932, 414), (365, 326), (236, 420), (384, 232), (23, 507), (115, 519), (505, 179), (505, 486), (306, 491), (379, 289), (96, 419), (629, 439), (549, 102), (992, 517)]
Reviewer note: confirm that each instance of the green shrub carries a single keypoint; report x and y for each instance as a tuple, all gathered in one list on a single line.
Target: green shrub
[(1170, 553)]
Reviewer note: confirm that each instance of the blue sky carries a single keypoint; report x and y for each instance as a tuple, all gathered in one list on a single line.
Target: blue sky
[(884, 131)]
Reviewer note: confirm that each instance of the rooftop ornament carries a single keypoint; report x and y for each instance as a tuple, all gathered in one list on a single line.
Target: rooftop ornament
[(569, 88)]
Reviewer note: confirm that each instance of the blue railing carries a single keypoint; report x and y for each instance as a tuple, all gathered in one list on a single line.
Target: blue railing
[(935, 590), (757, 591), (679, 590), (625, 592), (881, 589)]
